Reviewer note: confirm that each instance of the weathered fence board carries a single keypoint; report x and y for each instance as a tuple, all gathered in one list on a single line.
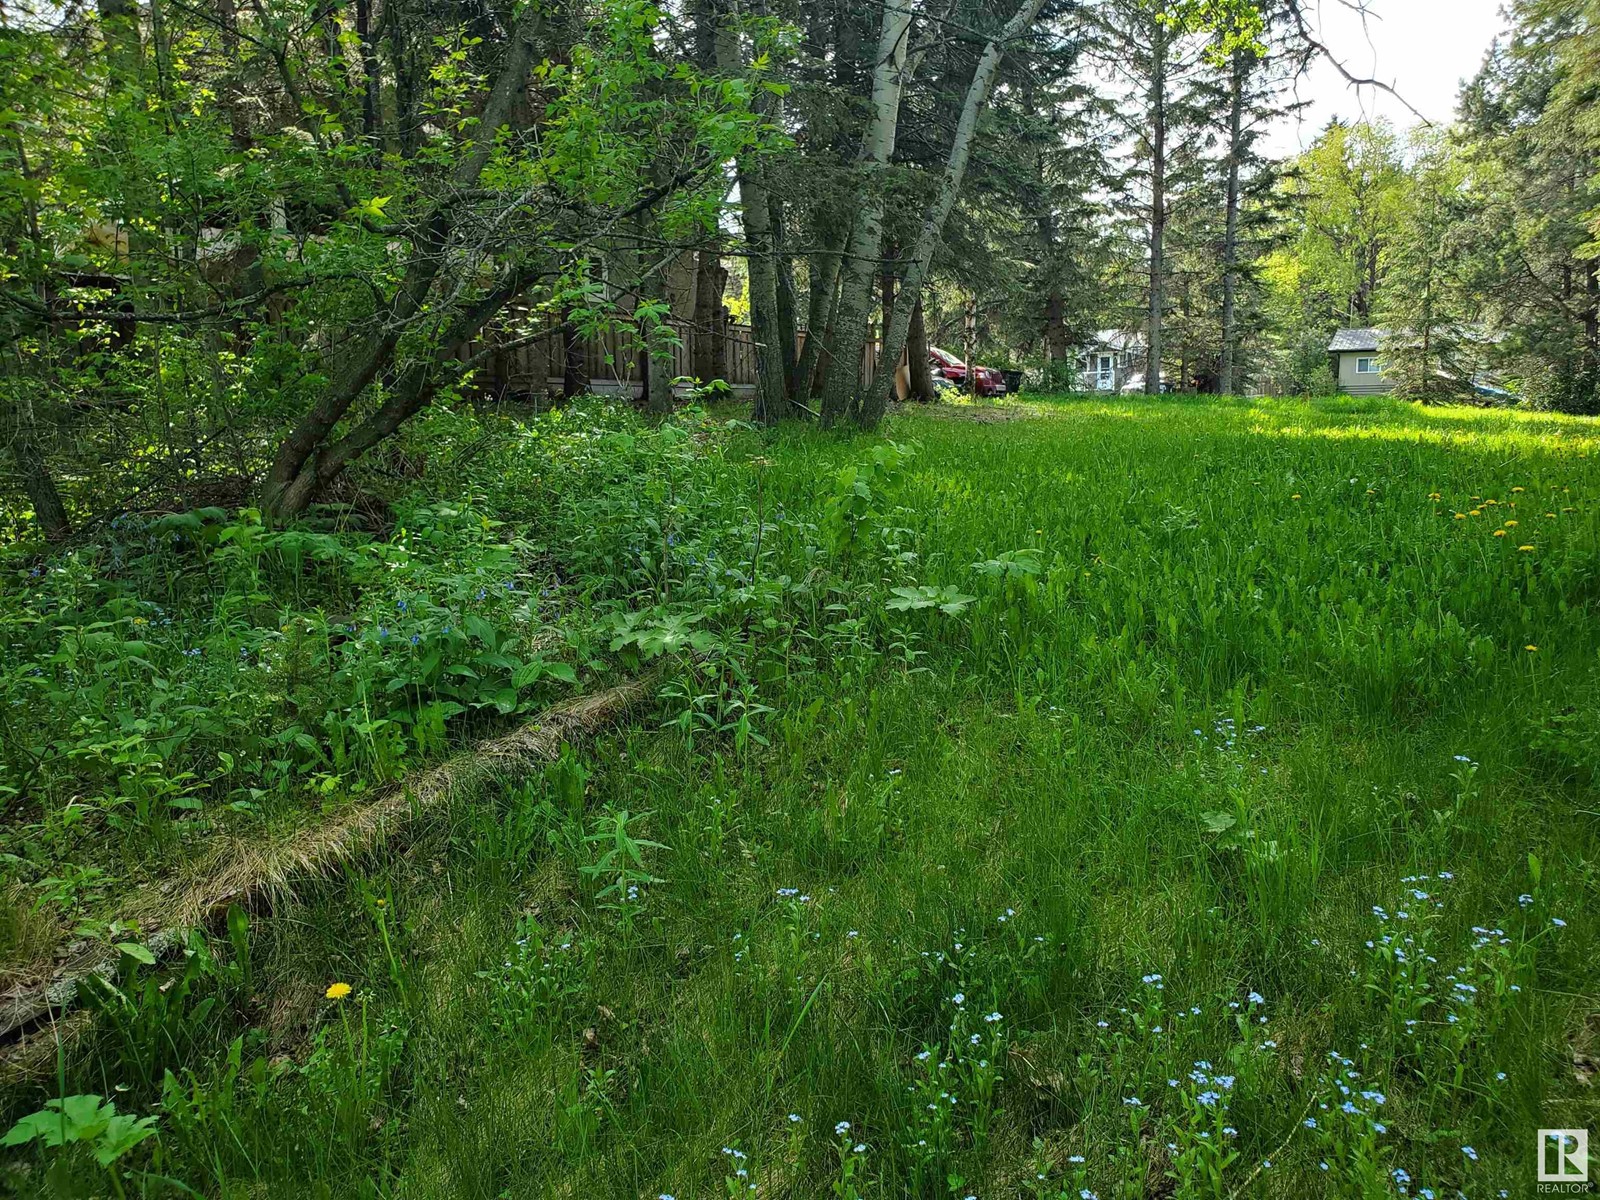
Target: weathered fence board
[(612, 361)]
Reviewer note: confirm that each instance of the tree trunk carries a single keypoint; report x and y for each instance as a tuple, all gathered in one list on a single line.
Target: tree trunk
[(916, 269), (711, 282), (1591, 313), (830, 336), (1055, 327), (865, 245), (233, 101), (119, 26), (1158, 206), (372, 78), (574, 382), (408, 126), (823, 270), (35, 476), (721, 332), (658, 351), (919, 368), (786, 318), (1227, 376), (969, 349), (755, 208), (885, 304)]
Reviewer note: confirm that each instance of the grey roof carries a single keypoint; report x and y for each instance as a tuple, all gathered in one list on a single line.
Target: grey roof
[(1355, 339)]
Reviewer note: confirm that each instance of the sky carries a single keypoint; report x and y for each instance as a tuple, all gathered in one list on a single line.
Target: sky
[(1424, 48)]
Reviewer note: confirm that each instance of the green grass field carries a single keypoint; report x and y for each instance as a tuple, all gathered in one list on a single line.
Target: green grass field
[(1210, 812)]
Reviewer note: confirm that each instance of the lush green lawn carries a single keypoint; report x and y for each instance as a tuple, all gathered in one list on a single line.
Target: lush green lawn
[(1240, 811)]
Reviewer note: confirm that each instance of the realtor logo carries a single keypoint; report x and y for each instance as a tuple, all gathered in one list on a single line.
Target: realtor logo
[(1563, 1156)]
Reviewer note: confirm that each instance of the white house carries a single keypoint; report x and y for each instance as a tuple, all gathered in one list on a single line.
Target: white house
[(1357, 362), (1110, 357)]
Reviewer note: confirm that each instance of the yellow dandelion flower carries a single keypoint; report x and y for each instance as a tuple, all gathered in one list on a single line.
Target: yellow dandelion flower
[(1491, 503), (1551, 516), (1525, 549), (1499, 533), (1435, 495), (1511, 524), (1531, 649), (337, 991), (1296, 496), (1477, 512), (1519, 491), (1461, 516)]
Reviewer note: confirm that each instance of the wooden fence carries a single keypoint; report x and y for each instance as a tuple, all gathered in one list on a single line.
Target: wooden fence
[(613, 362)]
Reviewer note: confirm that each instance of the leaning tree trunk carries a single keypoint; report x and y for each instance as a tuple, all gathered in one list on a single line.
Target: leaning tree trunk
[(874, 403), (1158, 207), (306, 462), (865, 245), (1227, 376)]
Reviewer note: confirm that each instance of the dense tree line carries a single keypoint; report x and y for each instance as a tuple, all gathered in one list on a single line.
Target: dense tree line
[(246, 243), (1474, 248)]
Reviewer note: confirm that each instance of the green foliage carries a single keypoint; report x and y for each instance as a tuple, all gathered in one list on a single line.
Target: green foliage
[(88, 1121), (1428, 352)]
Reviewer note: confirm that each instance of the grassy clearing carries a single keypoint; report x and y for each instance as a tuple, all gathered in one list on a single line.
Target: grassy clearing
[(1118, 799)]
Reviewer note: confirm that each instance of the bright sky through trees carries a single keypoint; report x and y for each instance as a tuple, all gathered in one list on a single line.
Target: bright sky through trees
[(1424, 48)]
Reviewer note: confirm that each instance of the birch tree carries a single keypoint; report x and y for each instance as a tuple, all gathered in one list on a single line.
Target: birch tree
[(863, 250), (874, 401)]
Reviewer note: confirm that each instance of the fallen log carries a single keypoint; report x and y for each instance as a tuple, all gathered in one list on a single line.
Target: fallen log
[(247, 871)]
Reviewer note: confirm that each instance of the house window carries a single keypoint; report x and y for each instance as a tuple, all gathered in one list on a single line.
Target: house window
[(1367, 366)]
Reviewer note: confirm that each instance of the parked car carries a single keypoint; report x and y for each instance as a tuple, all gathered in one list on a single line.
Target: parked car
[(990, 382)]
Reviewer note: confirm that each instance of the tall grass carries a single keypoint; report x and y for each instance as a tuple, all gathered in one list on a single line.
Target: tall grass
[(1217, 819)]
